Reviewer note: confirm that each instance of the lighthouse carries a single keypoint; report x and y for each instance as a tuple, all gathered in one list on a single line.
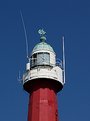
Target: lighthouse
[(43, 79)]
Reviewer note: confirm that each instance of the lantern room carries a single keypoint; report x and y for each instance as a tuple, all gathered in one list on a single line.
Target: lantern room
[(42, 54)]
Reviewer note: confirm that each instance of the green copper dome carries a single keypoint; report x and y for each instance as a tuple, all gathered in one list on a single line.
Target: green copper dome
[(42, 46)]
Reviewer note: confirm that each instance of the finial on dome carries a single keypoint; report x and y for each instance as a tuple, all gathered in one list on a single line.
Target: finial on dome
[(42, 34)]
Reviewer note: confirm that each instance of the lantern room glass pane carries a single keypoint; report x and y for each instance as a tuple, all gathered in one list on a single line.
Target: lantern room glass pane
[(46, 58), (43, 59), (34, 60)]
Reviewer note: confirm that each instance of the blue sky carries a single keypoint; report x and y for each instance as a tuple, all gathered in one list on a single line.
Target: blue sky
[(70, 18)]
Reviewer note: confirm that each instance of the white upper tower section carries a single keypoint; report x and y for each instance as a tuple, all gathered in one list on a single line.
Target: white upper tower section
[(43, 64)]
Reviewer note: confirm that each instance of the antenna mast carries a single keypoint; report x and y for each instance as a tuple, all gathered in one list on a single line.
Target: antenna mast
[(19, 77), (25, 34), (63, 60)]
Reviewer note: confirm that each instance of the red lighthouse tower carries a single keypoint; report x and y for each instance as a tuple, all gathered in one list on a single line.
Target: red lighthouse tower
[(43, 79)]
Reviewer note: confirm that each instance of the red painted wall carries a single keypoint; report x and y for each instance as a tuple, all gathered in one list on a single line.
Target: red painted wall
[(43, 102)]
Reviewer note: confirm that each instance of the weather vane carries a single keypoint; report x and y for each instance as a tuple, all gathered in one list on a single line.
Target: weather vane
[(41, 32)]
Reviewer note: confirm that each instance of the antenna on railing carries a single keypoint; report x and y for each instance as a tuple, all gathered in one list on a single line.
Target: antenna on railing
[(28, 64), (63, 60), (19, 77), (25, 34)]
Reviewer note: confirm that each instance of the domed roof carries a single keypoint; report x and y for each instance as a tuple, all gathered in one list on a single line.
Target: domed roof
[(42, 46)]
